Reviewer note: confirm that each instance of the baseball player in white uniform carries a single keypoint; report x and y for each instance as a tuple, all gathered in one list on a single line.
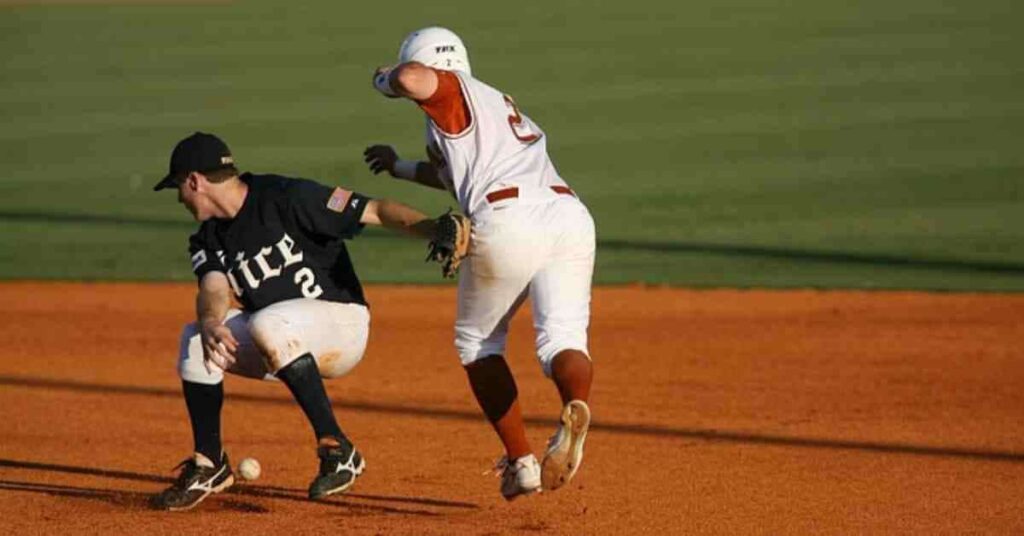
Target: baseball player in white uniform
[(532, 236)]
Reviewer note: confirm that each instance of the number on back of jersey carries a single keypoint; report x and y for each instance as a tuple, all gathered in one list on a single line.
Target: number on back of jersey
[(521, 127)]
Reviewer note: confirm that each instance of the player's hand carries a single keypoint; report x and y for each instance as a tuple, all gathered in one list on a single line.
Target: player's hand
[(382, 83), (219, 346), (381, 158)]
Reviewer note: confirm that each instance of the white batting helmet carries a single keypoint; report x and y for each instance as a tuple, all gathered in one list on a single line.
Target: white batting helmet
[(435, 47)]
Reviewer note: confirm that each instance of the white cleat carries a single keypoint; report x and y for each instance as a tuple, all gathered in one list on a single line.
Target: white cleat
[(521, 477), (565, 448)]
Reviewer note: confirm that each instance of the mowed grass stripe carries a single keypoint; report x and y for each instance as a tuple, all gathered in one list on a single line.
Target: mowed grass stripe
[(723, 131)]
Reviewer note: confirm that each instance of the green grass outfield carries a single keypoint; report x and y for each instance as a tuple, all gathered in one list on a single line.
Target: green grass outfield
[(747, 143)]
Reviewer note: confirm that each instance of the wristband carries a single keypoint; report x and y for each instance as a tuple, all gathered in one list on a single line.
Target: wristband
[(382, 82), (405, 169)]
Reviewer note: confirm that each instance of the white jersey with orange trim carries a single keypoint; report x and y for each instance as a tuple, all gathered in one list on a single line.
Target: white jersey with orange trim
[(481, 143), (531, 235)]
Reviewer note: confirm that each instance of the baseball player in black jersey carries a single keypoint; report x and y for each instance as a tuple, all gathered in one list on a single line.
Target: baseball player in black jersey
[(277, 244)]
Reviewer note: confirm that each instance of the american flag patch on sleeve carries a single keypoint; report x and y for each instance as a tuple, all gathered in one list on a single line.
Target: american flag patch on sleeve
[(339, 199)]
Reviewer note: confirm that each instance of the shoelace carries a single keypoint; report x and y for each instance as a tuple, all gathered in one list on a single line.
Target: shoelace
[(500, 466), (328, 464), (190, 467), (334, 458)]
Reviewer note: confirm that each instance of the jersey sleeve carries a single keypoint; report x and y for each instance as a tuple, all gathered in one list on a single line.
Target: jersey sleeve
[(331, 212), (203, 249), (447, 107)]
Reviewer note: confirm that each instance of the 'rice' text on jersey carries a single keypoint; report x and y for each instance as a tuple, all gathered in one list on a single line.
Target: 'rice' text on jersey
[(286, 242)]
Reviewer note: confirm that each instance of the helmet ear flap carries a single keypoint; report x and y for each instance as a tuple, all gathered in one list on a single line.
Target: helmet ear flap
[(435, 47)]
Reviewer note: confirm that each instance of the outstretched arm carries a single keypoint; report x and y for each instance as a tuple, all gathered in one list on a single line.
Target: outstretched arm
[(448, 234), (414, 81), (400, 217)]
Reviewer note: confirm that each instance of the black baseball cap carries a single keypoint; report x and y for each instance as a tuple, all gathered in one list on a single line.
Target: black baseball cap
[(198, 152)]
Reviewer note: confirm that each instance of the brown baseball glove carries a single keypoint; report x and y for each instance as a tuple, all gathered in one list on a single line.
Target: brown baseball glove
[(450, 243)]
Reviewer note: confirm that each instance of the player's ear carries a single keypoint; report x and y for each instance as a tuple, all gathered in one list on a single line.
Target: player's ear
[(192, 181)]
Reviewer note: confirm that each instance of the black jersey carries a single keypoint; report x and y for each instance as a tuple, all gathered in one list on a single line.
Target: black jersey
[(285, 242)]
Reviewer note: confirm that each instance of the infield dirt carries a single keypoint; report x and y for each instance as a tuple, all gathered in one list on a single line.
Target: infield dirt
[(719, 412)]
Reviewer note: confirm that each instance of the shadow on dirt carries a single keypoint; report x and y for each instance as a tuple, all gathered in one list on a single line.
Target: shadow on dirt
[(706, 434), (352, 502), (135, 500)]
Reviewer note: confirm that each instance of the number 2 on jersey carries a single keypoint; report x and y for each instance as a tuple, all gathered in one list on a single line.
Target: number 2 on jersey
[(521, 129)]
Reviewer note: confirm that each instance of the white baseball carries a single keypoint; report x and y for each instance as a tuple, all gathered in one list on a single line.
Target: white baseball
[(249, 468)]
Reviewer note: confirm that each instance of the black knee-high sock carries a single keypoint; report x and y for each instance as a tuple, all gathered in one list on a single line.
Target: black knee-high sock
[(204, 403), (303, 379)]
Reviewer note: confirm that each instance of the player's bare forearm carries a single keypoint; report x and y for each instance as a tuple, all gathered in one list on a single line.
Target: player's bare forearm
[(214, 299), (212, 305), (397, 216)]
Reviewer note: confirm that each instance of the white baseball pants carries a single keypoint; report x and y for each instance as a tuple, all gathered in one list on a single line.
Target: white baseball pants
[(541, 248), (270, 339)]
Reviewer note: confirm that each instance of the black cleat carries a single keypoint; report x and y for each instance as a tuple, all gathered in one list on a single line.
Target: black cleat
[(339, 467), (193, 485)]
